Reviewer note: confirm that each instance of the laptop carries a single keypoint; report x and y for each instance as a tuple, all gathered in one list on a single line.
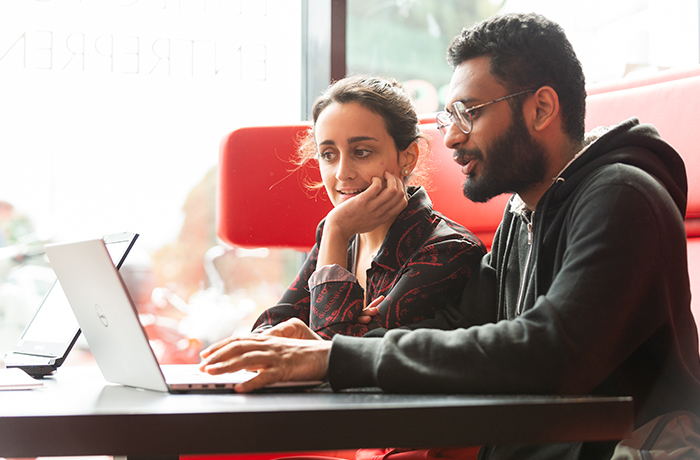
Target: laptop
[(110, 322), (52, 332)]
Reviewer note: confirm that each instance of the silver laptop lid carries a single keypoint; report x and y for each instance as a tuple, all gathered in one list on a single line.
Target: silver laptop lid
[(53, 330), (106, 314)]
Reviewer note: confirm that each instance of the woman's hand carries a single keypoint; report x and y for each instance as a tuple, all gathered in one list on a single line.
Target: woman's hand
[(276, 359), (370, 310), (380, 203), (376, 206)]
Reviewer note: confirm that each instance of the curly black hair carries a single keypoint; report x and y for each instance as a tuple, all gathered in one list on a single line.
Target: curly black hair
[(528, 51)]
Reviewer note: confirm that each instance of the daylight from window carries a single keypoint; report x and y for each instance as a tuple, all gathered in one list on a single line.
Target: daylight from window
[(112, 113)]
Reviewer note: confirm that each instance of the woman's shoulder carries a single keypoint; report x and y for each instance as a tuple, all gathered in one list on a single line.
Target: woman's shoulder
[(442, 228), (446, 229)]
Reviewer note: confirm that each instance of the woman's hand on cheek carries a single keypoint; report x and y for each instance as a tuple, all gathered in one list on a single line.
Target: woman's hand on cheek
[(380, 203), (388, 202)]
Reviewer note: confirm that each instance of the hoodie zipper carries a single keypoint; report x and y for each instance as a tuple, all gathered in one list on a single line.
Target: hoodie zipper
[(521, 295)]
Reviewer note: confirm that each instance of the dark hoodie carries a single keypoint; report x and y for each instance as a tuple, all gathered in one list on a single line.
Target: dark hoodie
[(587, 295)]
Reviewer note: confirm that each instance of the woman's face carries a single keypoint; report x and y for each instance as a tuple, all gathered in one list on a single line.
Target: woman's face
[(353, 147)]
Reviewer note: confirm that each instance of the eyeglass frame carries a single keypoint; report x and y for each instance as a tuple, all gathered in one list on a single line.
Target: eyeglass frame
[(467, 112)]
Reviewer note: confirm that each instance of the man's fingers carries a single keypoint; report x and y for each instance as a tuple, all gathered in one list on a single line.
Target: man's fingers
[(214, 347), (261, 380), (236, 355), (276, 358), (293, 328)]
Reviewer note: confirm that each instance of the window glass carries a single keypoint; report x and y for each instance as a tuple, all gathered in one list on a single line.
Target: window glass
[(111, 114), (625, 38), (407, 39)]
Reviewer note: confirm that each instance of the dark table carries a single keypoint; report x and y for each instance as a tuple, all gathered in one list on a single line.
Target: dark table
[(78, 413)]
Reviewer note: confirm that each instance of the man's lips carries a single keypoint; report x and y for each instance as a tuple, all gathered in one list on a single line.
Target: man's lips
[(467, 161), (468, 166)]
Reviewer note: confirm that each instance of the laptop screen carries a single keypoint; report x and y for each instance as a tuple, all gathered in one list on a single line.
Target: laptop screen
[(54, 327)]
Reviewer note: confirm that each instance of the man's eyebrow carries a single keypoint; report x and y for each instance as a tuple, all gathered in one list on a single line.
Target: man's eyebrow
[(467, 101)]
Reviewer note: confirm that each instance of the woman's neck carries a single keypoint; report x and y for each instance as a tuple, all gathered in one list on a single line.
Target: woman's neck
[(370, 242)]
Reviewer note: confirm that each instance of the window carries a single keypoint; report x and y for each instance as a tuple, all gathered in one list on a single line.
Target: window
[(407, 39), (111, 116)]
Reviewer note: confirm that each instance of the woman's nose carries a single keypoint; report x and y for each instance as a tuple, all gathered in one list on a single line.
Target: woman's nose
[(345, 169)]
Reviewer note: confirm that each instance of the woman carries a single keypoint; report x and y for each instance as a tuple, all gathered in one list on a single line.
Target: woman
[(383, 258)]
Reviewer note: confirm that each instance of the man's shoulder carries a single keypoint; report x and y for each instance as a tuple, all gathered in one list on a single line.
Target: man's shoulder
[(623, 174)]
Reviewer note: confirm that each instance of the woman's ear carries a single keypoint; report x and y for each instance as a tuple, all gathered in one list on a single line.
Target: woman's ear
[(546, 108), (408, 159)]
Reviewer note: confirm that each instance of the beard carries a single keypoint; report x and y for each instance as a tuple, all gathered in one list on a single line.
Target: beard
[(515, 163)]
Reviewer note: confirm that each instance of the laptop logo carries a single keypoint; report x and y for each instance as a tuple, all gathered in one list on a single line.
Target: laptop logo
[(101, 315)]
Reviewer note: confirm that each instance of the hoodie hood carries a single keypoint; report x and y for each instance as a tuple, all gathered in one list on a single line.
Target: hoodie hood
[(633, 144)]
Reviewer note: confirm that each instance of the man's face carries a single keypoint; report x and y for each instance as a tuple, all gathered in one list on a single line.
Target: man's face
[(499, 155)]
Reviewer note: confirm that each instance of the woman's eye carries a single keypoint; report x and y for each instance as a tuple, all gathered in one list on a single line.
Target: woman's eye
[(361, 153), (327, 156)]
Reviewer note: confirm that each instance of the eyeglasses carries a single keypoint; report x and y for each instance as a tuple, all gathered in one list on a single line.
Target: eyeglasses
[(463, 115)]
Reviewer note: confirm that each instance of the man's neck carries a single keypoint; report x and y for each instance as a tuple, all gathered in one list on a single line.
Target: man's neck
[(558, 162)]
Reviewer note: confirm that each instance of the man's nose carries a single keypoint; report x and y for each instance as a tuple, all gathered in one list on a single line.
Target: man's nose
[(454, 137)]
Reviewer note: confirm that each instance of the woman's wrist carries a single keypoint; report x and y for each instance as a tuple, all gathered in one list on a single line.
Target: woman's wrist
[(333, 249)]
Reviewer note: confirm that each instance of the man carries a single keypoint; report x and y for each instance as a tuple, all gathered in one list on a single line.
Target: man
[(586, 289)]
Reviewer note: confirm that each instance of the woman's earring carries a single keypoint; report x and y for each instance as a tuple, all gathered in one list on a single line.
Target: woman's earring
[(405, 172)]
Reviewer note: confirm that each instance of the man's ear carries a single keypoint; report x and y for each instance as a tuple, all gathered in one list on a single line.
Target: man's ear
[(546, 108), (408, 159)]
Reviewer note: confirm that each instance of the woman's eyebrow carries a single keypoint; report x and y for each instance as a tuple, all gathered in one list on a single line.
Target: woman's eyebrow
[(356, 139), (352, 140)]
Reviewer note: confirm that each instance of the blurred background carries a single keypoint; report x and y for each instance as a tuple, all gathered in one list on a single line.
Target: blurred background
[(112, 111)]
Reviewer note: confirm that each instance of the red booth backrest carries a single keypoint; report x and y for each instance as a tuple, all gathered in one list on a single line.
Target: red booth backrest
[(672, 106), (263, 200), (671, 102)]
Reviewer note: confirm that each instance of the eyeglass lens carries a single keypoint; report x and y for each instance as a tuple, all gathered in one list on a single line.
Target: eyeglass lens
[(459, 115), (462, 117)]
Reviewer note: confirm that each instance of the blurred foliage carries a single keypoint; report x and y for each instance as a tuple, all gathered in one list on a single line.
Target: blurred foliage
[(408, 39)]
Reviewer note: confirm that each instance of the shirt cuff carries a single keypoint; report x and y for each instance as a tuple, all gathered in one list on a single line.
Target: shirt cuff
[(330, 274)]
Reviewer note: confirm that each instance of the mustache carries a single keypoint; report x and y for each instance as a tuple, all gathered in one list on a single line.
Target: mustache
[(459, 155)]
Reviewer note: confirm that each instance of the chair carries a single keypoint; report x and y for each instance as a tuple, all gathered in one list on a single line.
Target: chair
[(262, 200)]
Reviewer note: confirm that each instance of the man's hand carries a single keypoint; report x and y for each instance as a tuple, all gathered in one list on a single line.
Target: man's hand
[(276, 359), (293, 328)]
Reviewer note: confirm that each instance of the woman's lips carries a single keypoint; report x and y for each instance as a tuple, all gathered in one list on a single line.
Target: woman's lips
[(350, 193)]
